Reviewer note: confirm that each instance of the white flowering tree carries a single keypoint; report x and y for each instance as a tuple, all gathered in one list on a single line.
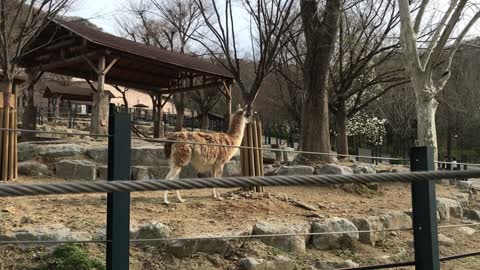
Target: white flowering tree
[(370, 128)]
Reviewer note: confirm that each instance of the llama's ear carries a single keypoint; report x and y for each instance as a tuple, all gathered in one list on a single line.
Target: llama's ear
[(245, 108), (239, 107)]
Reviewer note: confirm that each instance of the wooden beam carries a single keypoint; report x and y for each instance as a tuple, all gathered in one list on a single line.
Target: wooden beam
[(89, 62), (166, 100), (191, 88), (64, 62), (107, 69), (91, 85)]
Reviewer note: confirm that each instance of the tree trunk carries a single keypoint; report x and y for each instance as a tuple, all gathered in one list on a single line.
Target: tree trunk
[(29, 120), (204, 120), (320, 34), (426, 129), (158, 130), (99, 122), (179, 102), (341, 121)]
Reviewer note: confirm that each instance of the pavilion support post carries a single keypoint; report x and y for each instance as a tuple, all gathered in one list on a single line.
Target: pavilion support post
[(99, 120)]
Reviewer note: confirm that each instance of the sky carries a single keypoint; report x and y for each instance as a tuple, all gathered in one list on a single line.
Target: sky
[(105, 12)]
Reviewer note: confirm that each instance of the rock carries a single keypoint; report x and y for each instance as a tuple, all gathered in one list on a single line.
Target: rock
[(231, 168), (284, 243), (464, 185), (99, 154), (140, 173), (148, 156), (32, 168), (367, 224), (464, 198), (188, 172), (335, 265), (288, 155), (467, 230), (269, 157), (102, 172), (445, 241), (76, 170), (186, 248), (31, 150), (472, 214), (53, 232), (334, 241), (151, 230), (364, 168), (278, 263), (333, 169), (449, 207), (269, 170), (396, 220), (296, 170), (158, 172)]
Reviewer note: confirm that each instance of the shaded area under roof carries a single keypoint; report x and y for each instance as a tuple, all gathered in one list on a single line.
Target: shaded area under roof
[(73, 49), (72, 93)]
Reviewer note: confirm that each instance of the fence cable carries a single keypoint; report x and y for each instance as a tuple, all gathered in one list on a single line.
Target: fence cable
[(52, 132)]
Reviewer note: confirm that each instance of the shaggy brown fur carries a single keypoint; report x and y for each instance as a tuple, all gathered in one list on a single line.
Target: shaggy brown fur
[(204, 158)]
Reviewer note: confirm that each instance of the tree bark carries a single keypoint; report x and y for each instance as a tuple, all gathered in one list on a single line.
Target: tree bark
[(99, 121), (29, 120), (320, 34), (204, 120), (179, 102), (158, 131), (426, 128), (341, 122)]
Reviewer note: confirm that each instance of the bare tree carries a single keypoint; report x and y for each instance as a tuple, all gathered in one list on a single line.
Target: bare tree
[(420, 64), (203, 102), (358, 73), (270, 20), (320, 29)]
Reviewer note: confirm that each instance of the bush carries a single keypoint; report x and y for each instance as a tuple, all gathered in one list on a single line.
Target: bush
[(71, 257)]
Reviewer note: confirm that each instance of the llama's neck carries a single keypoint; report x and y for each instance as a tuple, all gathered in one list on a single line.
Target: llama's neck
[(236, 130)]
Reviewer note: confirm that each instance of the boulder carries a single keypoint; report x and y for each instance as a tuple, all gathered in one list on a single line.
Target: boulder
[(445, 241), (269, 157), (367, 224), (472, 214), (148, 156), (188, 172), (284, 243), (326, 265), (32, 168), (449, 207), (187, 248), (53, 232), (467, 230), (140, 173), (76, 170), (296, 170), (151, 230), (158, 172), (464, 185), (396, 220), (278, 263), (102, 172), (333, 169), (364, 168), (99, 154), (288, 155), (31, 150), (334, 241), (231, 168), (464, 198)]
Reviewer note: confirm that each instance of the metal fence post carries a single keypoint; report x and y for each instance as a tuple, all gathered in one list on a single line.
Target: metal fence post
[(118, 203), (424, 212)]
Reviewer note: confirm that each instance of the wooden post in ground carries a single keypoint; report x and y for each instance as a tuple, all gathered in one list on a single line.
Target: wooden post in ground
[(251, 159)]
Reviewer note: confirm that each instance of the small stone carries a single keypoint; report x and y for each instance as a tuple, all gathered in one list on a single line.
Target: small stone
[(278, 263), (32, 168), (187, 248), (467, 230), (9, 209), (371, 223), (445, 241), (364, 168), (296, 170), (325, 265), (333, 169), (472, 214), (76, 170), (285, 243)]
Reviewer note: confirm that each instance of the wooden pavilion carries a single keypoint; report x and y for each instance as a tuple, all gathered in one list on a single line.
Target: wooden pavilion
[(75, 49)]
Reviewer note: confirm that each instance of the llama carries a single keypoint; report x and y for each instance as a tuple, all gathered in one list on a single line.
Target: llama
[(204, 158)]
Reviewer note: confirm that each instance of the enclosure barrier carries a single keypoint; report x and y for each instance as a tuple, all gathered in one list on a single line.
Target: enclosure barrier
[(119, 187)]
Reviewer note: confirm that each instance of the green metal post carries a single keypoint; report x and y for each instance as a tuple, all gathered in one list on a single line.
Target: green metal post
[(118, 203)]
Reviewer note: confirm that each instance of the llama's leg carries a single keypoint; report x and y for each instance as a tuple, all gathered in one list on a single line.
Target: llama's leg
[(172, 174), (180, 157), (217, 172)]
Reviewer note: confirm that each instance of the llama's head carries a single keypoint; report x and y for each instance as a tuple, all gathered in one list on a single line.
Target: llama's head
[(238, 120)]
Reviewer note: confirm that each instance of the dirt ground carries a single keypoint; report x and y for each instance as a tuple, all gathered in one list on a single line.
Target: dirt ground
[(201, 215)]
